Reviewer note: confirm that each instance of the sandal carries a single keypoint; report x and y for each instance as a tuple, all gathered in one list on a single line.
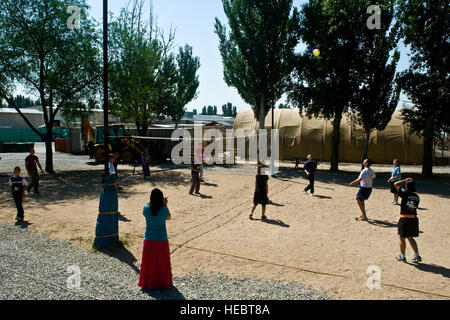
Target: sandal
[(361, 219)]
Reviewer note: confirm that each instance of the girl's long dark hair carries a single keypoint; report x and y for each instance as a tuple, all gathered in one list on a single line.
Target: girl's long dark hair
[(156, 201)]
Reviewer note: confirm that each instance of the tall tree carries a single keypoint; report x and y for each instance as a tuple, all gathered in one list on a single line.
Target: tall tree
[(39, 51), (204, 111), (324, 86), (426, 29), (186, 83), (143, 72), (258, 52), (377, 56)]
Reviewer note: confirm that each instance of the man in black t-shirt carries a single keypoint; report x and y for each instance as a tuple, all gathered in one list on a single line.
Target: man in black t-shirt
[(310, 170), (408, 225)]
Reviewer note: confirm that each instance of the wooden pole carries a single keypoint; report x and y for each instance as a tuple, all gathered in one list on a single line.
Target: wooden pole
[(105, 84)]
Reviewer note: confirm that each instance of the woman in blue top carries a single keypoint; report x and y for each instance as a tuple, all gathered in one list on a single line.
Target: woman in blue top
[(395, 177), (156, 271)]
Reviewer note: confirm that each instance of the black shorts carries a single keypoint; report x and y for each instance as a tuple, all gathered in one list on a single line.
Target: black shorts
[(408, 227), (393, 188), (363, 193), (260, 198)]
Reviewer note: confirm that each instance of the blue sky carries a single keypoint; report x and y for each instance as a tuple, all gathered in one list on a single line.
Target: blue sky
[(193, 21)]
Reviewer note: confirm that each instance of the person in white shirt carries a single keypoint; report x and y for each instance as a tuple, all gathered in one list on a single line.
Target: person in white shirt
[(366, 182)]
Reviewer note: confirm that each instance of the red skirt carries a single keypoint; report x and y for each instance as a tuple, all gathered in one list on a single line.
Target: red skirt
[(156, 271)]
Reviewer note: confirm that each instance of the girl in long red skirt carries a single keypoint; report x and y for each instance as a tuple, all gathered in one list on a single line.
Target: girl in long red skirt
[(156, 271)]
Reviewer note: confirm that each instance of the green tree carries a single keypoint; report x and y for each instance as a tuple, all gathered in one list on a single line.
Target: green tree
[(228, 110), (40, 52), (284, 106), (258, 52), (426, 29), (204, 111), (377, 56), (324, 86), (186, 83), (143, 72)]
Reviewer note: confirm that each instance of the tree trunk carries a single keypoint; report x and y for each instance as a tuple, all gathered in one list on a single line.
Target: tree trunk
[(262, 118), (48, 150), (427, 165), (366, 145), (335, 140)]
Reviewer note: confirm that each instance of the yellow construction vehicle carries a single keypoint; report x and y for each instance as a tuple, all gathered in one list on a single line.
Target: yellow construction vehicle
[(129, 148)]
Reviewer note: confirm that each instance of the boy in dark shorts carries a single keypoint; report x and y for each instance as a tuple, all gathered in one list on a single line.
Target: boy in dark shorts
[(17, 184), (408, 225), (366, 180), (261, 191)]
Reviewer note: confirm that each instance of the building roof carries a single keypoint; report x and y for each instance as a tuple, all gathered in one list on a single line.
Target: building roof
[(226, 121), (23, 110)]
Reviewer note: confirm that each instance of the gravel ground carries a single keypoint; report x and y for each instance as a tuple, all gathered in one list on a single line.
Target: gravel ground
[(34, 267)]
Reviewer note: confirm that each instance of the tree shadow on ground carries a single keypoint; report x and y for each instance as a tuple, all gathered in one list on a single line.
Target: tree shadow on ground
[(169, 294), (122, 254), (66, 186), (439, 185), (445, 272)]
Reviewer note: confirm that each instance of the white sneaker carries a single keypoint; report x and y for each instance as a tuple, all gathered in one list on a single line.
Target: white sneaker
[(394, 203), (311, 194)]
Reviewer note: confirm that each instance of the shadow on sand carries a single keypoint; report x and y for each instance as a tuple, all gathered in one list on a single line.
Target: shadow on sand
[(271, 203), (381, 223), (274, 222), (433, 269), (66, 186)]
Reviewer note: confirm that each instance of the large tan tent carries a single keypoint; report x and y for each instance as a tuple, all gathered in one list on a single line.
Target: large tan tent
[(300, 136)]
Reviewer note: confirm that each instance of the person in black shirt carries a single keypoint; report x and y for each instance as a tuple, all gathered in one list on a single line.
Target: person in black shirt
[(17, 184), (310, 170), (408, 225), (260, 195)]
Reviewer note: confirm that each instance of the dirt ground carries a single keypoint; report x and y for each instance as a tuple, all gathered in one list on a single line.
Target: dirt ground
[(314, 240)]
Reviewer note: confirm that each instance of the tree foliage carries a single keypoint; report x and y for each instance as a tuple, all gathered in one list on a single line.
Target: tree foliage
[(377, 56), (326, 86), (426, 29), (258, 51), (51, 61)]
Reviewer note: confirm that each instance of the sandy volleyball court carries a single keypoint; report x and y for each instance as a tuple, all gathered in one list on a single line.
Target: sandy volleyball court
[(314, 240)]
